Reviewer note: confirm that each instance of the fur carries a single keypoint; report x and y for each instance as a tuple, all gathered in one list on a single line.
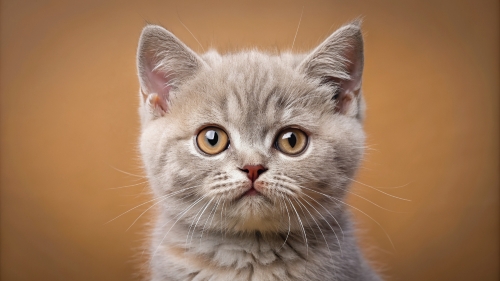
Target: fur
[(298, 228)]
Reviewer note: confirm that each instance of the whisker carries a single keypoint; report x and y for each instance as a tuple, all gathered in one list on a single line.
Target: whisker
[(289, 221), (213, 216), (301, 225), (130, 185), (221, 220), (297, 31), (190, 32), (225, 219), (308, 223), (163, 199), (340, 201), (157, 198), (357, 195), (193, 222), (214, 210), (374, 188), (333, 217), (305, 236), (135, 208), (319, 228), (192, 234), (152, 207), (338, 241), (127, 173), (179, 217), (366, 199)]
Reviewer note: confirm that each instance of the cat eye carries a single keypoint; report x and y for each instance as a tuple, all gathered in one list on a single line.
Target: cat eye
[(291, 141), (212, 140)]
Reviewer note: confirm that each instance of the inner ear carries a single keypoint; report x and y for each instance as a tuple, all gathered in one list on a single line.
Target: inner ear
[(164, 63), (156, 89), (338, 64), (342, 93)]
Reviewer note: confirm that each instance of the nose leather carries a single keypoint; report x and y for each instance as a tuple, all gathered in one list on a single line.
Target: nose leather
[(253, 171)]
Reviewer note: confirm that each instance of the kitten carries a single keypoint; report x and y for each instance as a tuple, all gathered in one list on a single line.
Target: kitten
[(249, 156)]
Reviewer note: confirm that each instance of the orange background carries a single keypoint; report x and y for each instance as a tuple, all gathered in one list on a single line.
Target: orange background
[(69, 97)]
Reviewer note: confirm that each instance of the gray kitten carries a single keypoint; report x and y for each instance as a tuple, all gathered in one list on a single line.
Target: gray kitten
[(249, 156)]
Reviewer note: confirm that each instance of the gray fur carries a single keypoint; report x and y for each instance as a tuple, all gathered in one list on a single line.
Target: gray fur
[(203, 231)]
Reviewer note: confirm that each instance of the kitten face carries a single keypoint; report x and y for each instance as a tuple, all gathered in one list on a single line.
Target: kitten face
[(252, 97)]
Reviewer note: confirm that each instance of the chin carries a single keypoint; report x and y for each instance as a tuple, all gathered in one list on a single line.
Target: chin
[(255, 213)]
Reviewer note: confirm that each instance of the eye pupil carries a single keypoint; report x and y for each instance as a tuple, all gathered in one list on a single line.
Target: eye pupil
[(212, 137), (292, 140)]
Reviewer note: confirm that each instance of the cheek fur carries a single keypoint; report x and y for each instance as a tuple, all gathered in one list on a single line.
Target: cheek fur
[(203, 231)]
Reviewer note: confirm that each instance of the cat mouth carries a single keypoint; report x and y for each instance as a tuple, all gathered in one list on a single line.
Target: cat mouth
[(251, 192)]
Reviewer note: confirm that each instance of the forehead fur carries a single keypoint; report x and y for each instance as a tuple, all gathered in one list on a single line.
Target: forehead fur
[(253, 91)]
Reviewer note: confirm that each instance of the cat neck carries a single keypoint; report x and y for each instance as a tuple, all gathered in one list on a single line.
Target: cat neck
[(219, 254)]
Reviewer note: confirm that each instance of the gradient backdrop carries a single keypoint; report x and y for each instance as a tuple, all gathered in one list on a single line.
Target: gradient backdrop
[(69, 124)]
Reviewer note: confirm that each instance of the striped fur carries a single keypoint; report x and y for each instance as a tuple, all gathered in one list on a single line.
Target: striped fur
[(299, 228)]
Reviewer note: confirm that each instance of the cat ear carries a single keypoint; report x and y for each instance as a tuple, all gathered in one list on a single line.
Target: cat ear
[(338, 63), (163, 63)]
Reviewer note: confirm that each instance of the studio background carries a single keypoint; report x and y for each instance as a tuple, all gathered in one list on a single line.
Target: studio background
[(69, 127)]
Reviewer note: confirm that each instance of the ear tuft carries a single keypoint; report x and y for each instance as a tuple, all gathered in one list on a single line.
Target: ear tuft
[(338, 62), (156, 105)]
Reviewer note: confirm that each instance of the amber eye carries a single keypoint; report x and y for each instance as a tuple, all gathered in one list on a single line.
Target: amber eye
[(212, 140), (291, 141)]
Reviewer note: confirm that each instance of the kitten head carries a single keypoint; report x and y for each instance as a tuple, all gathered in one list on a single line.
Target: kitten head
[(252, 137)]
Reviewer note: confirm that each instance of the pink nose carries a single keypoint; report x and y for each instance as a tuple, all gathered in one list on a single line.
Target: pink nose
[(253, 171)]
